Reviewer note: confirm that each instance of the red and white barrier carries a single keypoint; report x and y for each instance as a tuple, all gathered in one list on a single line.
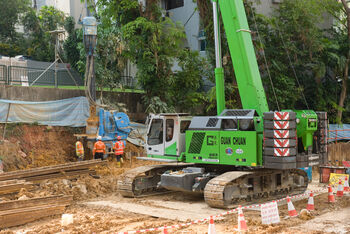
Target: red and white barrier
[(166, 228)]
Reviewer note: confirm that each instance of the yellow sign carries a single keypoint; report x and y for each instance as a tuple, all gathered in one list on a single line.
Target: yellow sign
[(334, 178)]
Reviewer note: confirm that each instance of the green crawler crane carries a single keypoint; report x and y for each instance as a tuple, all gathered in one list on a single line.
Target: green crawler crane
[(239, 155)]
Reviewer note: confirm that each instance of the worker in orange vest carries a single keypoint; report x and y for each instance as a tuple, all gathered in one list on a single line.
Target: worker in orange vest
[(119, 147), (99, 149), (79, 150)]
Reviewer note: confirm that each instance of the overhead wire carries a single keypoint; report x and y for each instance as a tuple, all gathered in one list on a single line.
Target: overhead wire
[(265, 60), (292, 66)]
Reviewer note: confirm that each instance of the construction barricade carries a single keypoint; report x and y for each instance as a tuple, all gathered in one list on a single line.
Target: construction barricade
[(271, 208)]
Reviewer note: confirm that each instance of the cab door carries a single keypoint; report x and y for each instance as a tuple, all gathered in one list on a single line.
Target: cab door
[(156, 136), (171, 145)]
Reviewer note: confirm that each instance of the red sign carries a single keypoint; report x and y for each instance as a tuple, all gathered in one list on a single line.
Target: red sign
[(346, 164)]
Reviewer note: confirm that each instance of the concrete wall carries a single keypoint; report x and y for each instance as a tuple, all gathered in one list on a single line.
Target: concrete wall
[(133, 101)]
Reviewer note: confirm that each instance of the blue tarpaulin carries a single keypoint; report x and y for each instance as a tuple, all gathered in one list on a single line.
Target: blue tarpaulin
[(72, 112), (339, 132)]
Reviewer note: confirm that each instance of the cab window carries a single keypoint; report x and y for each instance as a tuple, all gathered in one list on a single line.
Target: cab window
[(184, 125), (229, 124), (155, 135), (169, 129)]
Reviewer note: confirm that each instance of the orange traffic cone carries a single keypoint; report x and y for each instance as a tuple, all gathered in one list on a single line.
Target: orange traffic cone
[(310, 202), (242, 225), (346, 185), (291, 210), (211, 228), (340, 192), (331, 197), (165, 231)]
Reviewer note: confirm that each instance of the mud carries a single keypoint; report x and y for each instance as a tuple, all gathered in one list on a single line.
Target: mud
[(32, 146)]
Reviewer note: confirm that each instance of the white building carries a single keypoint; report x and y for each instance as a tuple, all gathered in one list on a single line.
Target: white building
[(186, 12), (74, 8)]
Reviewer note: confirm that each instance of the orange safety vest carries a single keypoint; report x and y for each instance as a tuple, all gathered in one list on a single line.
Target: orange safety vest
[(99, 147), (119, 148), (79, 149)]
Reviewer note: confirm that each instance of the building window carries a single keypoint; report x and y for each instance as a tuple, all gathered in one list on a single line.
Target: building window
[(203, 45), (172, 4), (202, 40)]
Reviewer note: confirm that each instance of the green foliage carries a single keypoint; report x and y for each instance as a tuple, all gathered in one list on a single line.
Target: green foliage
[(156, 105), (186, 83), (71, 50), (170, 75), (50, 18), (11, 13), (109, 55), (153, 46), (38, 27), (10, 49)]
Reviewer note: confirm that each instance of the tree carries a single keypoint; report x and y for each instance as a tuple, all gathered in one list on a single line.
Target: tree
[(71, 50), (109, 58), (155, 44), (297, 51), (38, 27), (11, 13), (345, 77)]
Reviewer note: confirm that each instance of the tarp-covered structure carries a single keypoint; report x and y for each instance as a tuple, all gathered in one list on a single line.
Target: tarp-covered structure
[(72, 112), (339, 132)]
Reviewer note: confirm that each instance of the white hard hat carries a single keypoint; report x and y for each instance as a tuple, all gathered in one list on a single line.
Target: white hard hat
[(99, 138)]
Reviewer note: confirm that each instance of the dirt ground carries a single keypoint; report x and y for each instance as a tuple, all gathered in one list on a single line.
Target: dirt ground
[(99, 208), (99, 215)]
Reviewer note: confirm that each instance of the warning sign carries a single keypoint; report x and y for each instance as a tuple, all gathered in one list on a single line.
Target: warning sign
[(334, 178), (269, 213)]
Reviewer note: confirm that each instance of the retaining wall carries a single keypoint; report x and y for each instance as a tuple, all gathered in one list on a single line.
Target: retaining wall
[(133, 101)]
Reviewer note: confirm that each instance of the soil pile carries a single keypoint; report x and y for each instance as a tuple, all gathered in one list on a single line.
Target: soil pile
[(12, 156), (28, 146), (82, 188)]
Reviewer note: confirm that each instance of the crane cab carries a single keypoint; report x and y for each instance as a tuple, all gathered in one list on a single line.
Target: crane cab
[(166, 135)]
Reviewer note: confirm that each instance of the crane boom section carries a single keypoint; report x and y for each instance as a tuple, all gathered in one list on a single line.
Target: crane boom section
[(243, 55)]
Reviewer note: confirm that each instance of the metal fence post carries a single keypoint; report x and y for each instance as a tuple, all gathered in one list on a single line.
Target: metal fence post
[(336, 136), (9, 75)]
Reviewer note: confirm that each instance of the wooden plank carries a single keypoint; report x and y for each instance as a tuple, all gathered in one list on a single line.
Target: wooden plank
[(11, 188), (22, 174), (70, 174), (17, 217), (49, 200), (5, 182), (82, 164)]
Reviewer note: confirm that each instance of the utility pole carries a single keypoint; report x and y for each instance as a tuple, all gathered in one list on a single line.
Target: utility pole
[(56, 34)]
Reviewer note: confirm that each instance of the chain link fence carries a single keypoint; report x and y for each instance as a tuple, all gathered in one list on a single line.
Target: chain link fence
[(40, 76), (27, 76)]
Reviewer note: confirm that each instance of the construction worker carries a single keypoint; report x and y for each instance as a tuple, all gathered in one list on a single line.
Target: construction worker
[(79, 150), (119, 150), (99, 149)]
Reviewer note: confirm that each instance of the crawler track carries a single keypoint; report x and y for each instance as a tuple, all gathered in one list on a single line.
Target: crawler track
[(244, 187), (144, 180)]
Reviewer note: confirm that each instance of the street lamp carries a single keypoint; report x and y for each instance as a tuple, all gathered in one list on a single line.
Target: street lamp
[(90, 39)]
